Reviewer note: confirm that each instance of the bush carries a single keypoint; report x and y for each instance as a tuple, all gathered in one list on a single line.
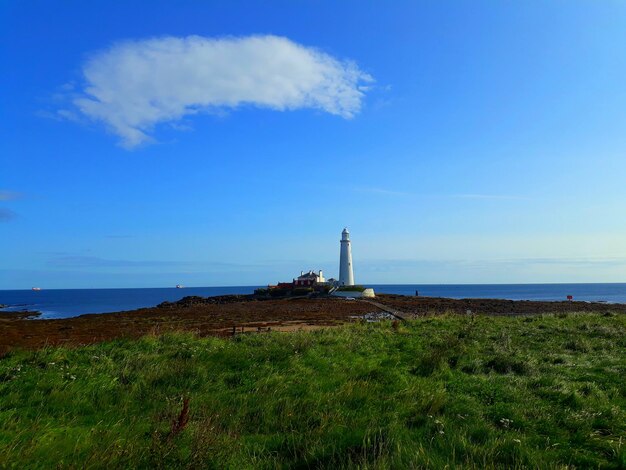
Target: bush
[(279, 292), (351, 289), (302, 290)]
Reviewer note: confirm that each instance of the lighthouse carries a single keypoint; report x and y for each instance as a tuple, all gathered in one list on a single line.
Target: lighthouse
[(346, 275)]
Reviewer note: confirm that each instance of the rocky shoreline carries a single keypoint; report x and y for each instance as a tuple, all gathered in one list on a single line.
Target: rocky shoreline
[(231, 314), (19, 314)]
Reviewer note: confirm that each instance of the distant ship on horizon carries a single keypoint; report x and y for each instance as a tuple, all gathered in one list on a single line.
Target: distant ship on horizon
[(179, 286), (36, 288)]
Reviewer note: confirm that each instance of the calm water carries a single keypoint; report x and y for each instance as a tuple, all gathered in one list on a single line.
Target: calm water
[(62, 303)]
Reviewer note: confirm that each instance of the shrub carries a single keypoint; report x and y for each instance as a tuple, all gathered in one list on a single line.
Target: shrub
[(302, 290), (279, 292), (351, 289)]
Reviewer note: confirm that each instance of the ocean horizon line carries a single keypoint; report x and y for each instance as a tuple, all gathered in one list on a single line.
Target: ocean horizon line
[(360, 283)]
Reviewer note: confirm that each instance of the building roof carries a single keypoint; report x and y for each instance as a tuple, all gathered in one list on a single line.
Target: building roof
[(309, 275)]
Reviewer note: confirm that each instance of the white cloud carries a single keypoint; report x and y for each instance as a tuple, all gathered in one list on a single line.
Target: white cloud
[(132, 86)]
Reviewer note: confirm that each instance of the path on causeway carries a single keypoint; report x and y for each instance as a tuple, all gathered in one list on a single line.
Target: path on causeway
[(396, 313)]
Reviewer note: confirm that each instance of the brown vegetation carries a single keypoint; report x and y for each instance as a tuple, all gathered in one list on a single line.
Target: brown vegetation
[(434, 305)]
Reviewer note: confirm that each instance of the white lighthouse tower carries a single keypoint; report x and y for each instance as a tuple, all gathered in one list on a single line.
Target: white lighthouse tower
[(346, 275)]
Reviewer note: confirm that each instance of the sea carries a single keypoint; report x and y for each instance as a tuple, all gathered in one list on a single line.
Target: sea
[(64, 303)]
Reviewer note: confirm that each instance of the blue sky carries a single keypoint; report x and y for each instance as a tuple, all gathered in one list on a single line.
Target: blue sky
[(228, 143)]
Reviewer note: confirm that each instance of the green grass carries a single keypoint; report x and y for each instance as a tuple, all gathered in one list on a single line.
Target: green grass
[(465, 392)]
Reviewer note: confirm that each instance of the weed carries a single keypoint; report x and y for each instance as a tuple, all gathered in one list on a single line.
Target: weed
[(181, 421)]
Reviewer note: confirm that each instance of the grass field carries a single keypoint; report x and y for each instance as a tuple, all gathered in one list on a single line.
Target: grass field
[(472, 392)]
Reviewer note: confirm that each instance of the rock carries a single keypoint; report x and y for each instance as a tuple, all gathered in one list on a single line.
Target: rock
[(375, 317), (194, 300), (19, 315)]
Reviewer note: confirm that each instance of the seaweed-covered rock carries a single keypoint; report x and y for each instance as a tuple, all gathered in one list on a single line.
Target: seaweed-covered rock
[(194, 300)]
